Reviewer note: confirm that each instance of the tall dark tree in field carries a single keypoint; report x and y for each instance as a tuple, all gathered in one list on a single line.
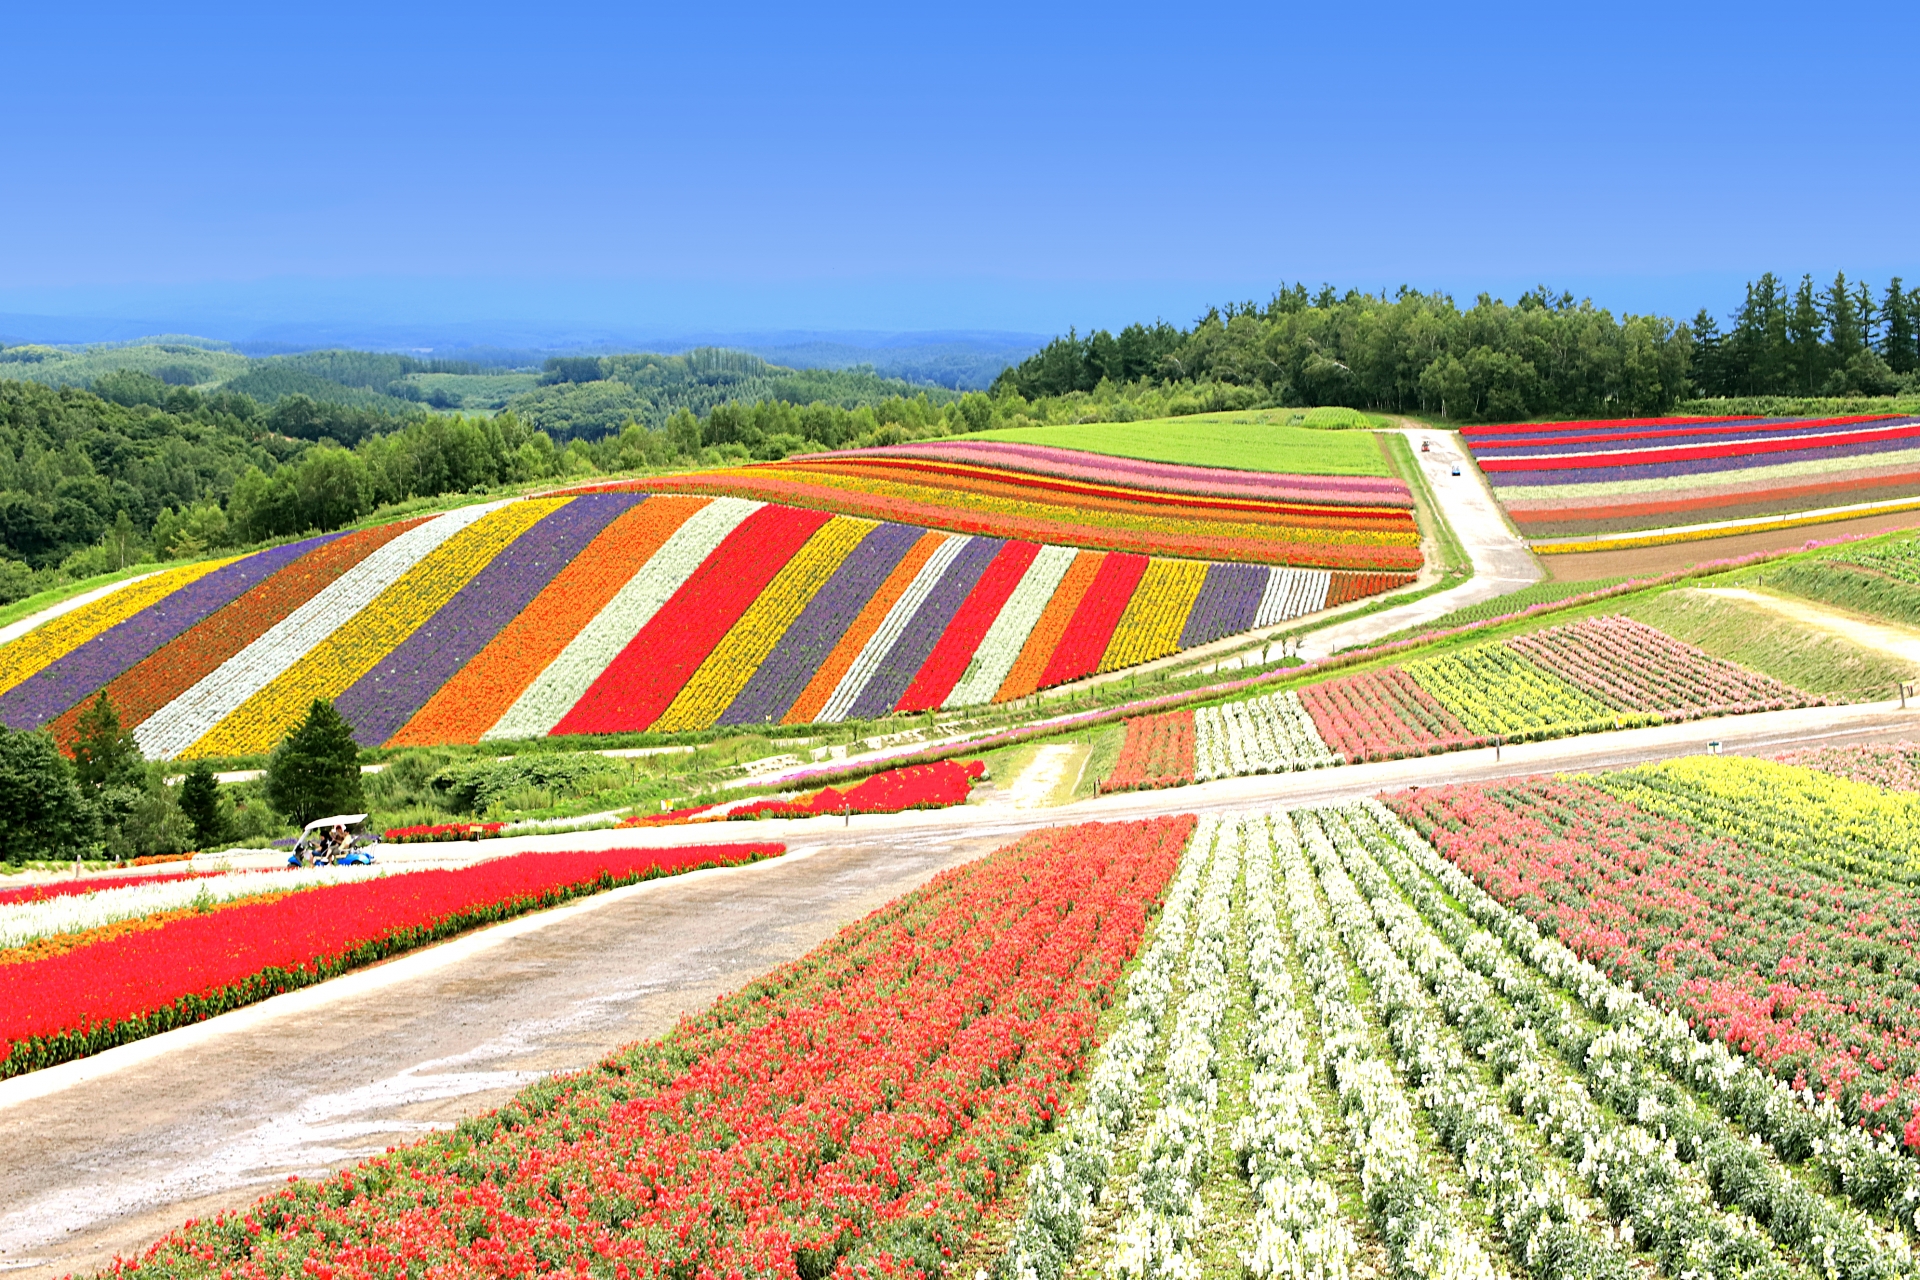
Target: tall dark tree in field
[(104, 754), (1709, 356), (1897, 345), (1806, 353), (200, 802), (1845, 337), (315, 771)]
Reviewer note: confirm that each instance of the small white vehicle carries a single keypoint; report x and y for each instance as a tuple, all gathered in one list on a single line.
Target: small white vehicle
[(335, 842)]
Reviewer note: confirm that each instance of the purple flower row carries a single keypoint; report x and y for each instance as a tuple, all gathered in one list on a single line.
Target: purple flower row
[(1812, 434), (896, 671), (781, 678), (59, 686), (384, 699), (1228, 601), (1696, 466)]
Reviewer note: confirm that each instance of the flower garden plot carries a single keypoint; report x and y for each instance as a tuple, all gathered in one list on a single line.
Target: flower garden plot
[(921, 786), (620, 611), (1157, 751), (1630, 666), (1605, 477), (858, 1112), (128, 987), (1894, 767), (1806, 967)]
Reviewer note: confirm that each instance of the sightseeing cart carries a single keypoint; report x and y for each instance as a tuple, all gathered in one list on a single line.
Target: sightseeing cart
[(320, 846)]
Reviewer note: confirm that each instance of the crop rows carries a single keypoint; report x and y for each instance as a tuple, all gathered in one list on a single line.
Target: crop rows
[(1593, 477), (1599, 673), (621, 611)]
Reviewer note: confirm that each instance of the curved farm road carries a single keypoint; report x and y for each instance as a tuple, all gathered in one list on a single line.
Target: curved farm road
[(102, 1156), (1501, 561)]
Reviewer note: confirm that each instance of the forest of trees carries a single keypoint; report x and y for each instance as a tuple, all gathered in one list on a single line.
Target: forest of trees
[(1544, 355)]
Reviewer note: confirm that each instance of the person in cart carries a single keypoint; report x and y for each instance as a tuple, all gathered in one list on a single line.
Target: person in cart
[(333, 842)]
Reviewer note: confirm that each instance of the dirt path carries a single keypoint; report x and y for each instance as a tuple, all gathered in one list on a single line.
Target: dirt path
[(102, 1156), (1883, 637), (1501, 561)]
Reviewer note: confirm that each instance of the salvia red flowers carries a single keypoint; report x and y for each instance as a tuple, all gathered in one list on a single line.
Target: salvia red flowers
[(856, 1113), (138, 984), (444, 831)]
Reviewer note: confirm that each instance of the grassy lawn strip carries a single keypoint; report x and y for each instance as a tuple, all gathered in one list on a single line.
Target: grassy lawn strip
[(1237, 440)]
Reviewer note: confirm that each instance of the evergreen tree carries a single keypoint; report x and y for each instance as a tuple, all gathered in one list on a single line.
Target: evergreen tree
[(1709, 357), (1806, 354), (315, 771), (1844, 337), (45, 814), (200, 801), (103, 754), (1897, 316)]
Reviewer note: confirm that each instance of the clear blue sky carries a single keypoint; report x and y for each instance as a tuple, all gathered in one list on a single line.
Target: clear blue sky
[(1010, 166)]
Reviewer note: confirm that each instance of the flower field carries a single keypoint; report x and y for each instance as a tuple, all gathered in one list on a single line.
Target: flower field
[(203, 962), (1599, 673), (1073, 498), (1572, 478), (859, 1112), (602, 612), (939, 785)]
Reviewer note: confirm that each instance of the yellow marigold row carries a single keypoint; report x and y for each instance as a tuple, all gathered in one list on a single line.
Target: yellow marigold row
[(1151, 625)]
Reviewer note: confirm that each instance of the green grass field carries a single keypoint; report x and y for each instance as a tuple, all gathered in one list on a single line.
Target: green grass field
[(1247, 440), (1805, 657)]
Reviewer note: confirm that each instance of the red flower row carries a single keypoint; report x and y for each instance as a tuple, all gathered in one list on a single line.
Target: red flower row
[(922, 786), (444, 831), (857, 1113), (135, 985), (1158, 751)]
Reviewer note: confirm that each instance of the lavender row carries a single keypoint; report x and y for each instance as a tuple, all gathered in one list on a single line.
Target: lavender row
[(891, 678), (779, 681), (1228, 601), (61, 685), (385, 698)]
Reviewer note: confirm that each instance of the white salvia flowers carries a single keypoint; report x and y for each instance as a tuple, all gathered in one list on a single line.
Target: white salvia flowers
[(1270, 734), (1158, 1235)]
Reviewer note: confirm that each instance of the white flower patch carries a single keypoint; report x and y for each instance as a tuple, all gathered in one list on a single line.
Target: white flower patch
[(868, 661), (1000, 647), (1298, 1229), (1166, 1212), (1423, 1230), (1291, 593), (182, 722), (554, 691), (1063, 1188), (1270, 734)]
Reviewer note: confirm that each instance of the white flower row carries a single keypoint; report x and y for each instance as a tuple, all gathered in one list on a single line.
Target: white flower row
[(875, 651), (1642, 1043), (556, 689), (1291, 593), (1423, 1230), (1543, 1219), (1271, 734), (1166, 1210), (189, 717), (1668, 1209), (25, 922), (1298, 1229), (1000, 647), (1064, 1187)]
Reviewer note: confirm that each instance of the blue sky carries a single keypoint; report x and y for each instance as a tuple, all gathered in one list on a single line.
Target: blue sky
[(988, 166)]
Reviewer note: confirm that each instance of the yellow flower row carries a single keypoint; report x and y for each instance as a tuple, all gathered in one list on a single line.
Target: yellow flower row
[(47, 644), (361, 641), (1150, 628), (746, 645), (1714, 531)]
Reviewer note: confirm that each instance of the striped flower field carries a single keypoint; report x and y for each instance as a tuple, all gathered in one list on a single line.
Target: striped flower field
[(1575, 478), (619, 611)]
